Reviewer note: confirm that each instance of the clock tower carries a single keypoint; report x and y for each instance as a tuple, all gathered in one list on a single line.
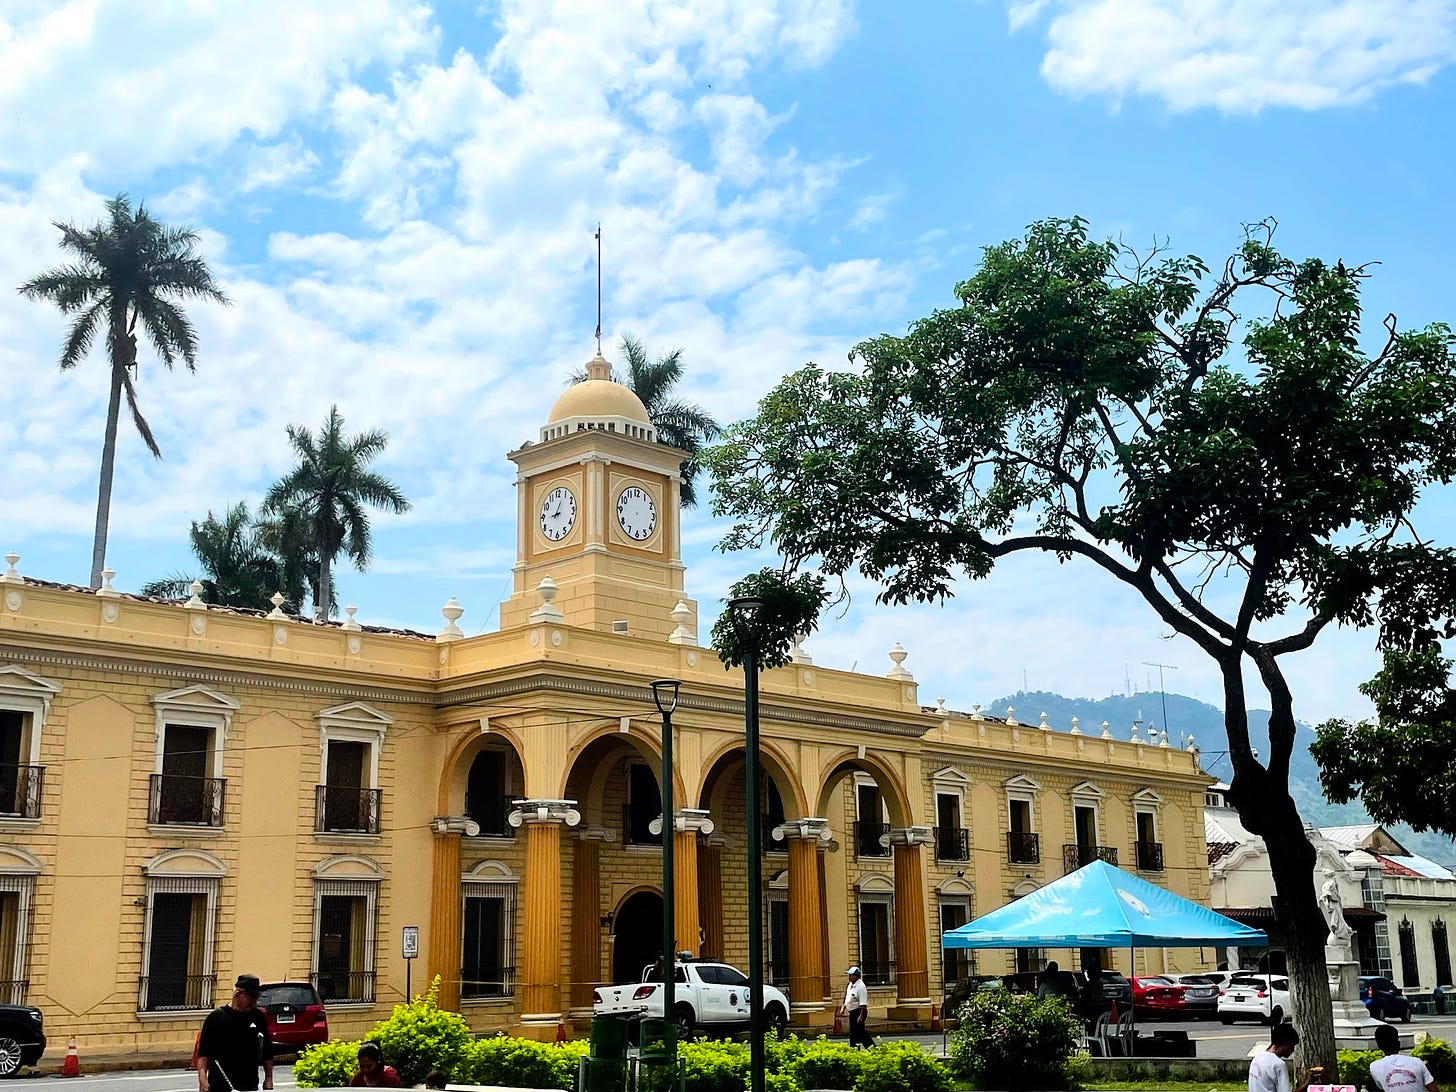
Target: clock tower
[(598, 511)]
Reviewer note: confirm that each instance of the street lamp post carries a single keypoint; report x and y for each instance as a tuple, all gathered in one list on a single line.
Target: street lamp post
[(744, 612), (664, 696)]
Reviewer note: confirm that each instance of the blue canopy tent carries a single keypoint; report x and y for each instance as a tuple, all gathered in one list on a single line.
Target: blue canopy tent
[(1101, 906)]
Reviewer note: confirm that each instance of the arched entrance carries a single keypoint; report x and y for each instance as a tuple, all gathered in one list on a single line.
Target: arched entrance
[(637, 926)]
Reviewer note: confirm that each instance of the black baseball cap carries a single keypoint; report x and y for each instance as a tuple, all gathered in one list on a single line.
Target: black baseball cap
[(249, 984)]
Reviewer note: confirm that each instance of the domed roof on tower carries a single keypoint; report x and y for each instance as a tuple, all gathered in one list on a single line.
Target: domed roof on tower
[(599, 402)]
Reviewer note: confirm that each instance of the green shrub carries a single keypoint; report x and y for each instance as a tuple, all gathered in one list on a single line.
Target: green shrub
[(779, 1054), (421, 1036), (1440, 1059), (901, 1067), (519, 1063), (1354, 1067), (327, 1065), (776, 1082), (713, 1066), (1015, 1042), (823, 1064)]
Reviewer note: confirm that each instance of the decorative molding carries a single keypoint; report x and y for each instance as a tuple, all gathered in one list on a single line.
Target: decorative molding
[(949, 775), (185, 862), (908, 836), (543, 811), (455, 824), (809, 829), (349, 866), (1021, 784)]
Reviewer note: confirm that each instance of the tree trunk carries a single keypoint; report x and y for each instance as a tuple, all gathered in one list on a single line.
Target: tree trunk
[(325, 588), (108, 469)]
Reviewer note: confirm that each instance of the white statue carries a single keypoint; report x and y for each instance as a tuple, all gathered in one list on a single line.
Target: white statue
[(1334, 910)]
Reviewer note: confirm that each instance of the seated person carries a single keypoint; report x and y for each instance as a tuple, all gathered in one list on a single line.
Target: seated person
[(373, 1073)]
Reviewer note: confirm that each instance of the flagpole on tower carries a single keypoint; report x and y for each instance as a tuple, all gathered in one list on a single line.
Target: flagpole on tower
[(599, 288)]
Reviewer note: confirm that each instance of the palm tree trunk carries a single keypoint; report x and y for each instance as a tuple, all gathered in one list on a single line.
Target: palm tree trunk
[(108, 469), (325, 589)]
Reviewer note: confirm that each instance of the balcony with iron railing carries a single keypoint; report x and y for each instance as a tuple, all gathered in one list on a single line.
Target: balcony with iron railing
[(867, 839), (482, 984), (489, 812), (344, 987), (175, 993), (187, 801), (1075, 856), (1023, 847), (346, 809), (20, 790), (1149, 856), (952, 844)]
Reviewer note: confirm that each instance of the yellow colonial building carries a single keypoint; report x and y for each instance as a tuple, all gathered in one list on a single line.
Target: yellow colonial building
[(189, 792)]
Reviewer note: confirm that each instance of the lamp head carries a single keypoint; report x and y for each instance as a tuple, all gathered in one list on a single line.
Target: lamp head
[(743, 615), (664, 694)]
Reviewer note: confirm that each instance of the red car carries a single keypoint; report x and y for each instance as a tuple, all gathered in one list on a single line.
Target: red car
[(1159, 995), (296, 1016)]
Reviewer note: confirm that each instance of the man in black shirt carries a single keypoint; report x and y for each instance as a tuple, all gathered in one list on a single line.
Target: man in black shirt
[(234, 1042)]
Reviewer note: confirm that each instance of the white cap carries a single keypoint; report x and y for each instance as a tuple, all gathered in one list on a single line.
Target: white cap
[(852, 971)]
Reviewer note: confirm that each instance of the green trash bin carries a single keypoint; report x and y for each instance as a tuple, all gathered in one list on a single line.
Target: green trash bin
[(609, 1035), (657, 1063), (604, 1069)]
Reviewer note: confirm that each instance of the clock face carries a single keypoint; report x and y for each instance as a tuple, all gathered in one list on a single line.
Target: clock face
[(636, 513), (558, 513)]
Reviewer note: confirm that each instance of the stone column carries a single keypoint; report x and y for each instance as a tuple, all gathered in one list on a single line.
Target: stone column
[(911, 955), (445, 949), (541, 957), (586, 922), (806, 925), (826, 975), (691, 823), (710, 894)]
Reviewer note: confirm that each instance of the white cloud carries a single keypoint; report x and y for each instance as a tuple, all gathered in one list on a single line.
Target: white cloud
[(1241, 56)]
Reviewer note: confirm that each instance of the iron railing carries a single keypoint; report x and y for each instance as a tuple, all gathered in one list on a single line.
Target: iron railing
[(952, 844), (489, 812), (344, 986), (187, 801), (1074, 856), (346, 809), (867, 839), (877, 972), (20, 790), (475, 986), (179, 992), (13, 992), (1023, 847), (1149, 856)]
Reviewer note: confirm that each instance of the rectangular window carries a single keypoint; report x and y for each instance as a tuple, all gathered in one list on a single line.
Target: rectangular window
[(870, 825), (1029, 960), (1023, 845), (20, 782), (347, 803), (875, 944), (1086, 823), (778, 941), (487, 960), (1442, 949), (1410, 969), (1149, 848), (952, 841), (486, 798), (16, 892), (644, 804), (177, 971), (955, 963), (184, 790), (344, 940)]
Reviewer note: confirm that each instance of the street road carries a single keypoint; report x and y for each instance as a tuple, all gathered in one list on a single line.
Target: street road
[(157, 1080)]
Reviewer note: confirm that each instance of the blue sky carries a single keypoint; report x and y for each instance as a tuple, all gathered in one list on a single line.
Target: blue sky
[(400, 197)]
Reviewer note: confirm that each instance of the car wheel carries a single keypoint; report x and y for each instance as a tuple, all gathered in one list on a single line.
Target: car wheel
[(684, 1015), (1405, 1016), (9, 1056), (1226, 1020), (1276, 1017), (1377, 1013), (776, 1019)]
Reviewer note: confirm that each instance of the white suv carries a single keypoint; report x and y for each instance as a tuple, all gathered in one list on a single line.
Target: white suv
[(1261, 997)]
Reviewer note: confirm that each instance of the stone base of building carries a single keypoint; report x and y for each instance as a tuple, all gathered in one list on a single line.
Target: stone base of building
[(541, 1030), (915, 1011), (812, 1016)]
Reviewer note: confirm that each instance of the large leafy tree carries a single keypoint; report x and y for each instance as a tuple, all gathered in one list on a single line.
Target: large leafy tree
[(238, 569), (328, 493), (679, 423), (1082, 401), (126, 271)]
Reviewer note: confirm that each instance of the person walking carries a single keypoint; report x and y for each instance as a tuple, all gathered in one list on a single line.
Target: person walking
[(234, 1042), (373, 1073), (856, 1009), (1397, 1072), (1268, 1071)]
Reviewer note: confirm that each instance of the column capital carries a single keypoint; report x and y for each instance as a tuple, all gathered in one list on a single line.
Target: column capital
[(594, 833), (808, 829), (544, 811), (455, 824), (684, 820), (909, 836)]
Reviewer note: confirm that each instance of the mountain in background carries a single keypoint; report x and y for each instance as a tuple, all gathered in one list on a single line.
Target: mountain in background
[(1186, 717)]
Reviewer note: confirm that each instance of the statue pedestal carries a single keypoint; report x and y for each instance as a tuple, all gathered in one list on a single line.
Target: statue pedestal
[(1354, 1026)]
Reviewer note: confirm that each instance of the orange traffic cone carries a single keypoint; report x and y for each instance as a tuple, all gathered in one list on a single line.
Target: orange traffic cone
[(71, 1067), (560, 1031), (934, 1017)]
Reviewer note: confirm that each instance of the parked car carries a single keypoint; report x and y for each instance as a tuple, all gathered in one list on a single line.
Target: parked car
[(1263, 997), (1162, 995), (1219, 980), (707, 995), (1383, 999), (296, 1016), (22, 1037), (959, 992)]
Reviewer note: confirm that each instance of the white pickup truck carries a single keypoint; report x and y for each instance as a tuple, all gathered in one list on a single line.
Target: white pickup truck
[(712, 996)]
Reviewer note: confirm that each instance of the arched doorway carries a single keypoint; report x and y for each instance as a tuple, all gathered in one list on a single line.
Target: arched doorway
[(637, 925)]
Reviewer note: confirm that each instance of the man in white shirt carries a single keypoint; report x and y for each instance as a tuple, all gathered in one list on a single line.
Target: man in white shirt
[(1268, 1073), (857, 1008), (1398, 1072)]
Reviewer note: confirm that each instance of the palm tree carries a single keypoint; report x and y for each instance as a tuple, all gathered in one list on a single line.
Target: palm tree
[(328, 492), (238, 568), (679, 424), (128, 268)]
